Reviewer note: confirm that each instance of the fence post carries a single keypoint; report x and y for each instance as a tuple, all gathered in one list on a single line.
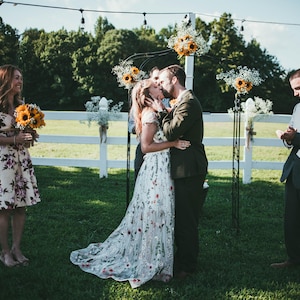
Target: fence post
[(103, 159)]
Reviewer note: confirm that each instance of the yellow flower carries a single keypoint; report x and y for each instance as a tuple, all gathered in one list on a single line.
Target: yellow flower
[(249, 86), (30, 116), (127, 78), (192, 46), (240, 84), (38, 120), (23, 118), (173, 102), (135, 70)]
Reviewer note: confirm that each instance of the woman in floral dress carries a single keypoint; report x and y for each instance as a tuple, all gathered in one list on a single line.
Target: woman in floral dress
[(141, 247), (18, 186)]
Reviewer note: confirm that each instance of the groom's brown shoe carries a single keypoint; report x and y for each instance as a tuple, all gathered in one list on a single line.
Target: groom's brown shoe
[(284, 265)]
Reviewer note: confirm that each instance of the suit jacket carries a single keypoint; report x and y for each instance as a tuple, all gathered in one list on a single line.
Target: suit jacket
[(292, 164), (186, 122)]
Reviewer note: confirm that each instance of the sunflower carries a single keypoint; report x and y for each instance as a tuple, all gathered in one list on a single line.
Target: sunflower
[(33, 111), (127, 78), (29, 116), (21, 107), (38, 120), (173, 102), (135, 70), (23, 118), (249, 86), (240, 84), (192, 46)]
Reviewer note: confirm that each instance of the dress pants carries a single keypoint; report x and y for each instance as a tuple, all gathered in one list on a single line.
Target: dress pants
[(187, 212), (292, 221)]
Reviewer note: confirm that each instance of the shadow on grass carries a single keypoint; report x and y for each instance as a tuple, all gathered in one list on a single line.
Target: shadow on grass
[(78, 208)]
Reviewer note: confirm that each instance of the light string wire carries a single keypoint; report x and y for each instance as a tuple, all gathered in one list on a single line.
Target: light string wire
[(141, 13)]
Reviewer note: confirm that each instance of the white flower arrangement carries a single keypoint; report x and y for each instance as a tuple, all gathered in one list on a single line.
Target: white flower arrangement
[(99, 110), (127, 74), (254, 109), (242, 79), (187, 41)]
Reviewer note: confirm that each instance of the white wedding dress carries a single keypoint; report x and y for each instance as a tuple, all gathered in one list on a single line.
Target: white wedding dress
[(141, 247)]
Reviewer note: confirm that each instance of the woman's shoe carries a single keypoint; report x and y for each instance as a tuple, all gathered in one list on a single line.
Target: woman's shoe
[(8, 260), (21, 259)]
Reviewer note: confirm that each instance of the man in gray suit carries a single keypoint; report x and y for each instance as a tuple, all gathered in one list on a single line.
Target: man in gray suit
[(291, 174), (188, 168)]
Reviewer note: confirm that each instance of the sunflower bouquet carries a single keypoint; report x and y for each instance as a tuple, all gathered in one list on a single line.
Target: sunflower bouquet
[(127, 74), (188, 41), (29, 117), (242, 79)]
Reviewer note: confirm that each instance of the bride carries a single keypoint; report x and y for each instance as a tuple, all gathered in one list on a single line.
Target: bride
[(141, 247)]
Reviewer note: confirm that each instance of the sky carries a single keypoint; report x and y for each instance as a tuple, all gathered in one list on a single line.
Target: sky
[(274, 24)]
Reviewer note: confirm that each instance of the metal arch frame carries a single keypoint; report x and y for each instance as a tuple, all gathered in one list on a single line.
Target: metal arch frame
[(235, 187)]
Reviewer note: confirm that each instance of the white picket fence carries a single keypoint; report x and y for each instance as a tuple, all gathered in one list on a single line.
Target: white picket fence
[(247, 164)]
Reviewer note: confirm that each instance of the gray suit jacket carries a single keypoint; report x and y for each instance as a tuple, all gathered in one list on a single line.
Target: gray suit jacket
[(186, 122)]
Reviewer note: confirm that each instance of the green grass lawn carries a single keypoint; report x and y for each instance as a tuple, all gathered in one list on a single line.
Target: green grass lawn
[(78, 208)]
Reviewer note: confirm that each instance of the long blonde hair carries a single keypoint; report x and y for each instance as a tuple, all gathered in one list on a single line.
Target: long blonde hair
[(6, 79), (138, 95)]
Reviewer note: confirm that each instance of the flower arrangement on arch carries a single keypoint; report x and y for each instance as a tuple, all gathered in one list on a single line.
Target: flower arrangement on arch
[(187, 41), (127, 74), (29, 116), (253, 109), (100, 110), (242, 79)]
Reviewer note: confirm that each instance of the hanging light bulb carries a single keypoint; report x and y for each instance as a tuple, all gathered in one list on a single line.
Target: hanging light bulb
[(82, 19), (145, 21), (242, 26)]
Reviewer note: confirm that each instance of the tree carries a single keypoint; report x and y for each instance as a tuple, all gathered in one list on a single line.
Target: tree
[(62, 69), (34, 75), (9, 44)]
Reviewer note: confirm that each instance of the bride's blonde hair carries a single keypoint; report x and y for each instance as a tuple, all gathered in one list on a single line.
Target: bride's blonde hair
[(138, 95)]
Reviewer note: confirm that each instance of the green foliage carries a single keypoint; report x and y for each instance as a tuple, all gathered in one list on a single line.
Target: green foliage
[(9, 41), (63, 69)]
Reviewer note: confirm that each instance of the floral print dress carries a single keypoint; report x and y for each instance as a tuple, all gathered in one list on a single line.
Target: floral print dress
[(18, 185), (141, 247)]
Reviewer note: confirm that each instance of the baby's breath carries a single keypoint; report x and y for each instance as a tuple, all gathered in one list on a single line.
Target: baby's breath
[(127, 74), (254, 109), (188, 41), (242, 79)]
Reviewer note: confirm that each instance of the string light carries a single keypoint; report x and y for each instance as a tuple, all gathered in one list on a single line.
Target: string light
[(82, 19), (145, 21), (139, 13), (242, 26)]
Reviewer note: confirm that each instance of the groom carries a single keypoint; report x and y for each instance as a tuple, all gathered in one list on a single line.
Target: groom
[(188, 168)]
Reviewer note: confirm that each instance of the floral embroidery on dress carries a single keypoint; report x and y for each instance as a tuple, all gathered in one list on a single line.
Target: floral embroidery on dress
[(141, 247)]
